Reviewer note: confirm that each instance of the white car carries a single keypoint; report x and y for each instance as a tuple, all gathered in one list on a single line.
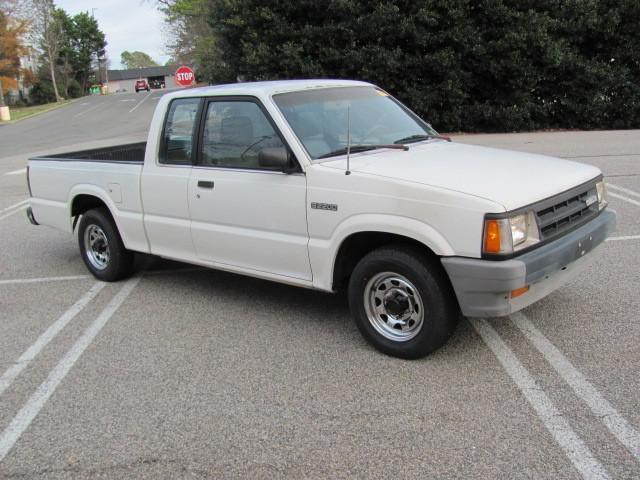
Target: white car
[(331, 184)]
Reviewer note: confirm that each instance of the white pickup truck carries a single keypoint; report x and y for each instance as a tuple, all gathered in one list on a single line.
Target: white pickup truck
[(331, 184)]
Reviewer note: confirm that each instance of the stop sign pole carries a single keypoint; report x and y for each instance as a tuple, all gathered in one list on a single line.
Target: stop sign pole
[(185, 76)]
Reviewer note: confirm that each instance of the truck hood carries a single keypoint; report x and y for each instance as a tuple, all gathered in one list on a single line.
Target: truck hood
[(512, 179)]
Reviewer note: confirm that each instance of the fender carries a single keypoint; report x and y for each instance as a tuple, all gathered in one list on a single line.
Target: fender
[(129, 223), (323, 252)]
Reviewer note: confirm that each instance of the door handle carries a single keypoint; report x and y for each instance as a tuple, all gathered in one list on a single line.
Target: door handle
[(205, 184)]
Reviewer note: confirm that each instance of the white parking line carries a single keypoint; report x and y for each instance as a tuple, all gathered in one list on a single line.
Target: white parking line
[(50, 333), (14, 281), (626, 199), (624, 237), (7, 215), (584, 389), (15, 205), (623, 190), (168, 271), (87, 110), (17, 172), (30, 410), (574, 448), (140, 102)]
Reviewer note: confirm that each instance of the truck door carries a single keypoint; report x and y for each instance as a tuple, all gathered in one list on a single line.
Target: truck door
[(165, 182), (243, 214)]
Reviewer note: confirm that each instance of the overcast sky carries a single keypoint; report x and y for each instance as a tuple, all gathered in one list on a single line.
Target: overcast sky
[(127, 24)]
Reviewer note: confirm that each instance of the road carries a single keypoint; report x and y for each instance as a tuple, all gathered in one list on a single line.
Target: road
[(189, 373), (87, 119)]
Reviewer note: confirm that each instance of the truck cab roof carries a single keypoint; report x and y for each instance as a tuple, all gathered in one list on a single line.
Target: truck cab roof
[(266, 88)]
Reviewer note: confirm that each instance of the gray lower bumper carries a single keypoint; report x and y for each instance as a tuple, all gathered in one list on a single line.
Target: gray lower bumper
[(483, 286)]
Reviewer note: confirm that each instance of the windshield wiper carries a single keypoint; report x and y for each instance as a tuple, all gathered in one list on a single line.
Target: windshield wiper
[(421, 136), (363, 148)]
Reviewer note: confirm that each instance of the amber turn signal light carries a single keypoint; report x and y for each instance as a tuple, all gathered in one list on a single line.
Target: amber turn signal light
[(519, 291), (491, 236)]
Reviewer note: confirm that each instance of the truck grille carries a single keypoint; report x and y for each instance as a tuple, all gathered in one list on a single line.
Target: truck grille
[(567, 211)]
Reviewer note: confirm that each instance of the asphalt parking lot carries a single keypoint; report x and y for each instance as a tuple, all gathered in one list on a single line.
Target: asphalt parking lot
[(182, 372)]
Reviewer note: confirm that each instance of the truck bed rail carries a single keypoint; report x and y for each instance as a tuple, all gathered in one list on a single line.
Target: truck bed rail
[(127, 153)]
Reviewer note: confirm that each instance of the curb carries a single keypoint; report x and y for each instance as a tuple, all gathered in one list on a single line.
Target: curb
[(54, 106)]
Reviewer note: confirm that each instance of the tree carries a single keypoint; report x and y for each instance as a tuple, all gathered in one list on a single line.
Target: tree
[(11, 48), (493, 65), (84, 45), (48, 30), (64, 65), (136, 59), (88, 43), (190, 35)]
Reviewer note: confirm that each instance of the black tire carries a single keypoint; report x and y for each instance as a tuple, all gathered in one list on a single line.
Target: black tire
[(411, 270), (118, 261)]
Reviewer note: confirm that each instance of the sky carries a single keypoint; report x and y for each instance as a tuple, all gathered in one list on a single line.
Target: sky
[(127, 24)]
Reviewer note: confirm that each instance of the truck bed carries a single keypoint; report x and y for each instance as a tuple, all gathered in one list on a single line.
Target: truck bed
[(111, 174), (132, 153)]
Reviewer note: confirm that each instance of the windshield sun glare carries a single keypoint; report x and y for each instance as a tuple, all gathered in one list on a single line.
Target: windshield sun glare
[(320, 120)]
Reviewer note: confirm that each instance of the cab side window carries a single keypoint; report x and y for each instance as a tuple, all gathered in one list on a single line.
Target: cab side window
[(177, 138), (234, 134)]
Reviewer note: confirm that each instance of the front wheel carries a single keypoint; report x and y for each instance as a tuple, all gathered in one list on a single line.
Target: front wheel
[(101, 247), (402, 302)]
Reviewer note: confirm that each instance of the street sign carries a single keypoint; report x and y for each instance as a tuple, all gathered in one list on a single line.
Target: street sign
[(185, 76)]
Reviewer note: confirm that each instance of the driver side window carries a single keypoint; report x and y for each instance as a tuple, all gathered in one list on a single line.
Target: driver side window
[(234, 134)]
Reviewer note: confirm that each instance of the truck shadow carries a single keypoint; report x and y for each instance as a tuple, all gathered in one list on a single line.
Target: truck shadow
[(271, 304), (254, 292)]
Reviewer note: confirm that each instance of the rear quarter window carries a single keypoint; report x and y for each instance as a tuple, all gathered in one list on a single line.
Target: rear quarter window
[(176, 146)]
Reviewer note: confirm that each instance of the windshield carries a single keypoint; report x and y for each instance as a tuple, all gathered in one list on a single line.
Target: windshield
[(319, 119)]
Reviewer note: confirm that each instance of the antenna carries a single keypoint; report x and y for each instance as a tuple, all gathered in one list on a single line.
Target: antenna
[(348, 172)]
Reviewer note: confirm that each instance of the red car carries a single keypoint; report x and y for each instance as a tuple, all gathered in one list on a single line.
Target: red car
[(142, 85)]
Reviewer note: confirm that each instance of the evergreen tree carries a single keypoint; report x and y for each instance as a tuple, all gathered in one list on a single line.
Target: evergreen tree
[(488, 65)]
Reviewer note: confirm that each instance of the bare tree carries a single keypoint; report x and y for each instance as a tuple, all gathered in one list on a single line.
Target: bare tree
[(188, 35), (48, 34)]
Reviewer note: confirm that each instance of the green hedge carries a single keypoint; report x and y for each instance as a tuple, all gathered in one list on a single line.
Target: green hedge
[(492, 65)]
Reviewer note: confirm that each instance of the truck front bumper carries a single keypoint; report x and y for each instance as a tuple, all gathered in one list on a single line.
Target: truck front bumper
[(484, 287)]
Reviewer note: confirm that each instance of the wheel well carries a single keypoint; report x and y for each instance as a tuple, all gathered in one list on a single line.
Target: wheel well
[(83, 203), (357, 245)]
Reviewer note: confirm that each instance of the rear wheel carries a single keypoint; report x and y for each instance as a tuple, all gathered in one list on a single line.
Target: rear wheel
[(402, 302), (101, 247)]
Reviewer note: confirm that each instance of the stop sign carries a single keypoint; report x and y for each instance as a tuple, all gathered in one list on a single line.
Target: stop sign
[(185, 76)]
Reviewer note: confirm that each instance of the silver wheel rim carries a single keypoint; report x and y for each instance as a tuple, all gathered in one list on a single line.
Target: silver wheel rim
[(393, 306), (96, 247)]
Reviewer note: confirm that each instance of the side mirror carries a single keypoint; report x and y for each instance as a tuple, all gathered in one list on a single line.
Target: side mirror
[(274, 157)]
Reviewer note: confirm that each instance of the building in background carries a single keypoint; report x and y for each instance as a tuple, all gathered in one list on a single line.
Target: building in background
[(125, 80)]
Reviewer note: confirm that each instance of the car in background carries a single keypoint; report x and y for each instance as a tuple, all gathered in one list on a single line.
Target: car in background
[(142, 85), (157, 84)]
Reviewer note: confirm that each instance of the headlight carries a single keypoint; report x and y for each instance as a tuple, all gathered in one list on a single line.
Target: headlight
[(503, 236), (601, 188)]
